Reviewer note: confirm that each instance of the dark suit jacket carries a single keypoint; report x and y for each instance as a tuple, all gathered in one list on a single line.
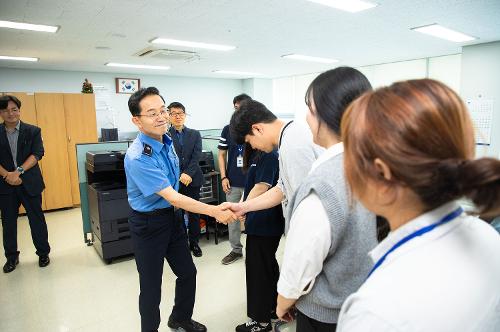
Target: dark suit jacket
[(189, 154), (29, 143)]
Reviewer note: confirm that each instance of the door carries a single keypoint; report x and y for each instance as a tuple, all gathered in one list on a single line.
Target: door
[(55, 166)]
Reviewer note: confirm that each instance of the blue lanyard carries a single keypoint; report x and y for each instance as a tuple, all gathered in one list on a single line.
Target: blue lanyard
[(419, 232), (240, 150)]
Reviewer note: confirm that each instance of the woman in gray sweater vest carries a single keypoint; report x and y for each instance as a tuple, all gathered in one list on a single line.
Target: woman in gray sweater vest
[(326, 253)]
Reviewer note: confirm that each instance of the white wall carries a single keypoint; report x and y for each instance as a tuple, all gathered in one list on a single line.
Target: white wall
[(289, 92), (208, 101), (481, 79), (259, 89)]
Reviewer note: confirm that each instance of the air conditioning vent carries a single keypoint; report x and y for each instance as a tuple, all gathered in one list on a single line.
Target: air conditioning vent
[(168, 55)]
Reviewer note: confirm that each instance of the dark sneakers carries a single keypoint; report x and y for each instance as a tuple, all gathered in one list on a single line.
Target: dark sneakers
[(231, 258), (43, 261), (196, 250), (187, 326), (253, 326), (10, 265)]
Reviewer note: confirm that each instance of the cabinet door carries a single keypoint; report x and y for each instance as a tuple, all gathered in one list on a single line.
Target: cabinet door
[(81, 127), (28, 115), (55, 167)]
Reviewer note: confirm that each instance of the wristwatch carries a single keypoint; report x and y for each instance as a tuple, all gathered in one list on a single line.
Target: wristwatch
[(20, 170)]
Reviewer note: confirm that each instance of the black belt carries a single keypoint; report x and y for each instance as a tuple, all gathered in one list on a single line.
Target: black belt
[(158, 212)]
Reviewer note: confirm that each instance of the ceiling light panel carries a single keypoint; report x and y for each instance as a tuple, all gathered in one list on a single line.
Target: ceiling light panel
[(125, 65), (233, 72), (18, 58), (28, 26), (308, 58), (352, 6), (175, 42), (439, 31)]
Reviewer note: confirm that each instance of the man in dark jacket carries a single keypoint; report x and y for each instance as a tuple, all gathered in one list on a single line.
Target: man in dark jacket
[(187, 143), (21, 148)]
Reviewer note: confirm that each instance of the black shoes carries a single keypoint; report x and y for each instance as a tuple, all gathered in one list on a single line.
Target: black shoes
[(43, 261), (196, 250), (10, 265), (253, 326), (187, 326)]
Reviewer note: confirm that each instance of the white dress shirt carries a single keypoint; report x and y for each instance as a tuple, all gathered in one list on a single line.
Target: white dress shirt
[(445, 280), (308, 240)]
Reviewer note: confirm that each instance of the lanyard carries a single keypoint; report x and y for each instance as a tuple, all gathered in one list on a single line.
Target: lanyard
[(419, 232), (282, 132)]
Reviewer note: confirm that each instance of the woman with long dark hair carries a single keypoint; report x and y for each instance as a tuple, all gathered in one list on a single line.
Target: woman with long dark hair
[(326, 253)]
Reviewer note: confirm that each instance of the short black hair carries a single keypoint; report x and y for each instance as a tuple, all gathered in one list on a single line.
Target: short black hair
[(241, 97), (176, 104), (250, 113), (333, 91), (4, 101), (135, 99)]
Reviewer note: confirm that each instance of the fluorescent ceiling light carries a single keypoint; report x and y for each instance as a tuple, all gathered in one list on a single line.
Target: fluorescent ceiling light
[(28, 26), (352, 6), (240, 73), (176, 42), (124, 65), (18, 58), (308, 58), (439, 31)]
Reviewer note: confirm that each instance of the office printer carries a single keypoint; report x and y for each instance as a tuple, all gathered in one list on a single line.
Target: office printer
[(99, 161), (206, 162)]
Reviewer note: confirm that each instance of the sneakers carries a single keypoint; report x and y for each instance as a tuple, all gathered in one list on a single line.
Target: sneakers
[(253, 326), (231, 258)]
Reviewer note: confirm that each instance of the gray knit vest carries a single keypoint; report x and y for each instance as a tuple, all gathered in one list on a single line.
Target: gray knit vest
[(353, 235)]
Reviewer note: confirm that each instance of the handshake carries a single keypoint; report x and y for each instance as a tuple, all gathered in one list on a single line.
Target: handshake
[(227, 213)]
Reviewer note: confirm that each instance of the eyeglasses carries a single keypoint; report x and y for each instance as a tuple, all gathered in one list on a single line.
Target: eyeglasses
[(177, 114), (155, 115)]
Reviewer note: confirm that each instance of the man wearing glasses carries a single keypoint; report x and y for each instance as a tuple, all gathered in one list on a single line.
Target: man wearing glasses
[(156, 227), (187, 143), (21, 181)]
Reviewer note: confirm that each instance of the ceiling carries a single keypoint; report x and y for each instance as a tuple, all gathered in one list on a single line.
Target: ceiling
[(262, 31)]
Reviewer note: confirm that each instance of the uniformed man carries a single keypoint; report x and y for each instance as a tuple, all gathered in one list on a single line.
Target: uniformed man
[(157, 232)]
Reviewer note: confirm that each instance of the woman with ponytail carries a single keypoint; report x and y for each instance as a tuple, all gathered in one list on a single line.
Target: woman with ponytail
[(409, 156)]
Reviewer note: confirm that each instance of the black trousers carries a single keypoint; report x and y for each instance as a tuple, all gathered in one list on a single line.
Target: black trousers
[(307, 324), (156, 238), (194, 218), (262, 274), (9, 205)]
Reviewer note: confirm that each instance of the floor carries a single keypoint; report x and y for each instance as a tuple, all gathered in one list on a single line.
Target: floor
[(79, 292)]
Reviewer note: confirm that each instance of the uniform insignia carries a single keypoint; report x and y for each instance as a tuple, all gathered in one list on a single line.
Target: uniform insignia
[(148, 150)]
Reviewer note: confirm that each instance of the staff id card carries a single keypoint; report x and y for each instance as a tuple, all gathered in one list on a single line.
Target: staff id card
[(239, 159)]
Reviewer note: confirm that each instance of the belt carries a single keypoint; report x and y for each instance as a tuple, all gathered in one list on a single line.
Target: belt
[(158, 212)]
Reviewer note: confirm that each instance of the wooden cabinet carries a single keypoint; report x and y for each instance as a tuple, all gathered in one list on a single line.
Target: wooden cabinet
[(65, 120), (81, 127)]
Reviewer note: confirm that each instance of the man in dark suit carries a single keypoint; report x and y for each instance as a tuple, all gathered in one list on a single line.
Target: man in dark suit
[(187, 143), (21, 181)]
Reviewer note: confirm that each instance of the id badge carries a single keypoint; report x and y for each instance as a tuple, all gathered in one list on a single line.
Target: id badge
[(239, 161)]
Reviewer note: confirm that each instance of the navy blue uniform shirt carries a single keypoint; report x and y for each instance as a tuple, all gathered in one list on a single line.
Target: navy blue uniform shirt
[(150, 166), (269, 222), (233, 172)]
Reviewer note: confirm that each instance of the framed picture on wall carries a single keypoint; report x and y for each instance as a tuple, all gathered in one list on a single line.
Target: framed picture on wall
[(127, 85)]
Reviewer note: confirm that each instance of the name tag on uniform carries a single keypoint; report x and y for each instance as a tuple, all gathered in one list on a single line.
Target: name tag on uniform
[(239, 161)]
